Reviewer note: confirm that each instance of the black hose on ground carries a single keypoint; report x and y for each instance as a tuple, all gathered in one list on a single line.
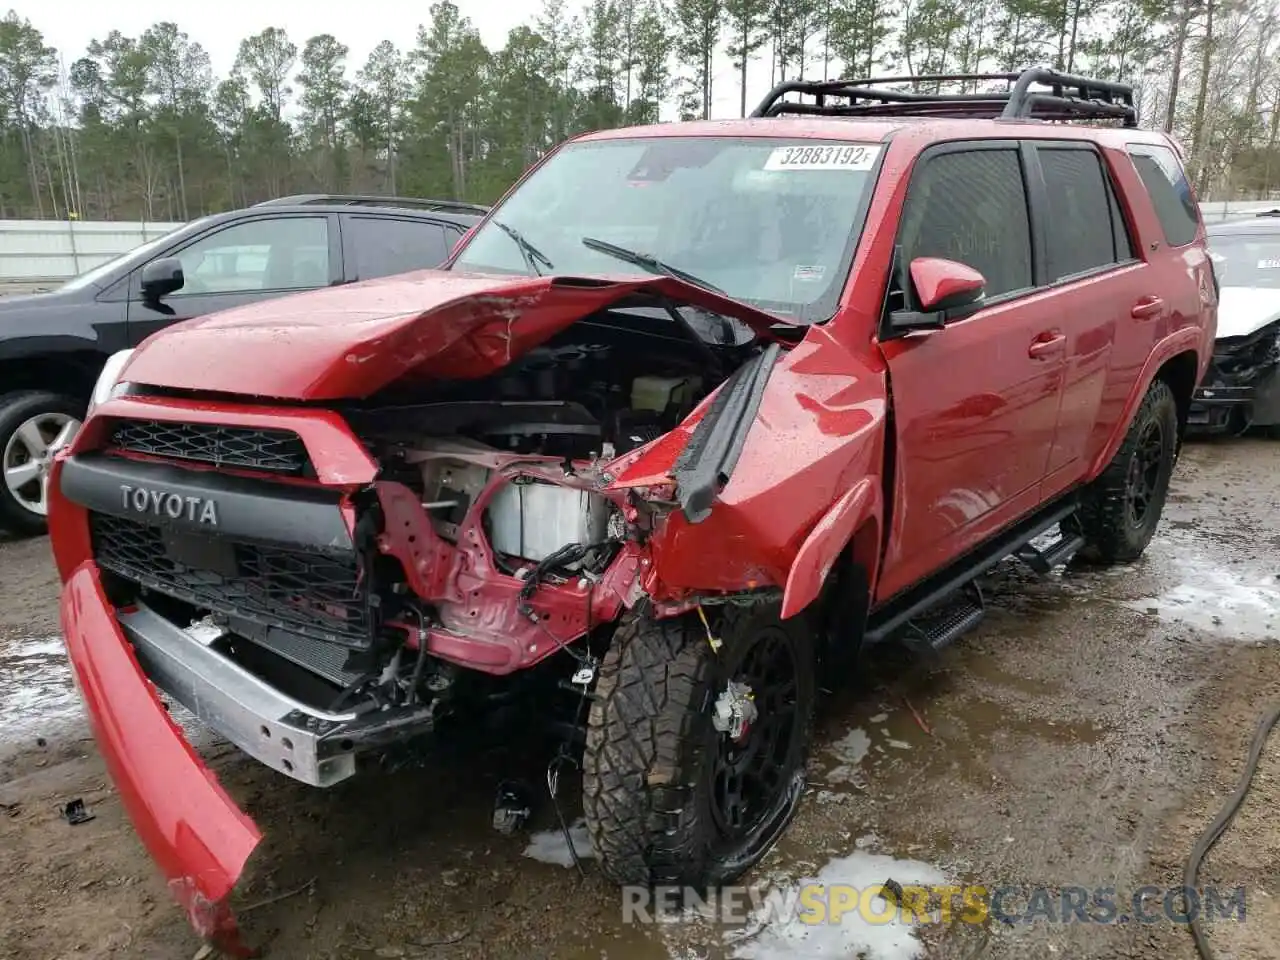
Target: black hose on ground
[(1223, 820)]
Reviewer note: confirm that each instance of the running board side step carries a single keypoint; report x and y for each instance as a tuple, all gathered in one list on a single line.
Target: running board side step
[(940, 590), (946, 623), (1057, 553)]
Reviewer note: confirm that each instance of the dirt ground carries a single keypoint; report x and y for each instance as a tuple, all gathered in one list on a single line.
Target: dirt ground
[(1083, 736)]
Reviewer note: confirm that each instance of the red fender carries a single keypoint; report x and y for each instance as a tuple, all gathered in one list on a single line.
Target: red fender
[(1180, 341), (817, 555)]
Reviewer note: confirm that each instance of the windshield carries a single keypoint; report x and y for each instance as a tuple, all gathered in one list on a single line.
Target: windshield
[(771, 222), (95, 275), (1247, 260)]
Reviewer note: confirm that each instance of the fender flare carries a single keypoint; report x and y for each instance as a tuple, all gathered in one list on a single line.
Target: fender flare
[(1180, 341), (861, 505)]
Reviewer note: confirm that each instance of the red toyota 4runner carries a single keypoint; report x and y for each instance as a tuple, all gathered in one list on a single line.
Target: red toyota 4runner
[(696, 408)]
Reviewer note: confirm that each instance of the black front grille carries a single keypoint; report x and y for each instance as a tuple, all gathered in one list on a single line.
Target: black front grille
[(250, 448), (310, 593)]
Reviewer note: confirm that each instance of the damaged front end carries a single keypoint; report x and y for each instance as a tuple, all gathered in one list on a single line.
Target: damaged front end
[(1241, 387), (427, 510)]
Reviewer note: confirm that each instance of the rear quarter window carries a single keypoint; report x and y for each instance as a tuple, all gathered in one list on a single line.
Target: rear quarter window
[(1167, 185)]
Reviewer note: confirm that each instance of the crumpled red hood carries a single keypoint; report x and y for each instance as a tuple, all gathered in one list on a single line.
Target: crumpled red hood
[(351, 341)]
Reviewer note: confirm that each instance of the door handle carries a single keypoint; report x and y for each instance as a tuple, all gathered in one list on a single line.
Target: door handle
[(1046, 345), (1146, 308)]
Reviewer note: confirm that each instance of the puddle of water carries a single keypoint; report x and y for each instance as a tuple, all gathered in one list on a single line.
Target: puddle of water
[(38, 698), (986, 718), (549, 846), (791, 938), (37, 695)]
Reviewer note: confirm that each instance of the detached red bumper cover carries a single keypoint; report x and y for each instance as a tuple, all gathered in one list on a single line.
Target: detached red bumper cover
[(193, 830)]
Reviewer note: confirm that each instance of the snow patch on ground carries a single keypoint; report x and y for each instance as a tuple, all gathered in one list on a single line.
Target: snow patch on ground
[(793, 939), (549, 846), (1242, 604), (850, 750)]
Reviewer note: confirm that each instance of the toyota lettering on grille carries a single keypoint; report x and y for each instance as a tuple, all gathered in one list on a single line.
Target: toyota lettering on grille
[(172, 505)]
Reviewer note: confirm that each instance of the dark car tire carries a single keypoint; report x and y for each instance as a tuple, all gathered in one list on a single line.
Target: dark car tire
[(1119, 511), (16, 409), (653, 757)]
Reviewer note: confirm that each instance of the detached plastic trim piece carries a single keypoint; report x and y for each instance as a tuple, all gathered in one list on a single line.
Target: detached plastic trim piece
[(707, 463)]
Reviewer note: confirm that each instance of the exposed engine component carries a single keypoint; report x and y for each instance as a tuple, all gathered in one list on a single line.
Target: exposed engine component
[(618, 383), (533, 520), (450, 486)]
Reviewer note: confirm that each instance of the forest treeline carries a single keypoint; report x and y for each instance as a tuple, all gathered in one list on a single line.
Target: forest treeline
[(139, 127)]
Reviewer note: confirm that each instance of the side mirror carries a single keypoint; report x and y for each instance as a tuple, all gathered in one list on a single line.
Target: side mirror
[(944, 285), (161, 278), (944, 290)]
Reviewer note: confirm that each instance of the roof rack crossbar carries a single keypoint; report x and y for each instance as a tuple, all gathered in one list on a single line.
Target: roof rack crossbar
[(1068, 97), (341, 199)]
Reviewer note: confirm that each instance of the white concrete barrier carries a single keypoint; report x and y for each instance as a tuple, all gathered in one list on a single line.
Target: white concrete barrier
[(39, 251)]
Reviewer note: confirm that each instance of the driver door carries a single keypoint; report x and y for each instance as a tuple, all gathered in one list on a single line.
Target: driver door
[(975, 404), (242, 262)]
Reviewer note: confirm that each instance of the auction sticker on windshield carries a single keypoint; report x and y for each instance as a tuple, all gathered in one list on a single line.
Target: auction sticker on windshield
[(823, 157)]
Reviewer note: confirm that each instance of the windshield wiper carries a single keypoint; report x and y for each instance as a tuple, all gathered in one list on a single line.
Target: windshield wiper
[(648, 262), (532, 255)]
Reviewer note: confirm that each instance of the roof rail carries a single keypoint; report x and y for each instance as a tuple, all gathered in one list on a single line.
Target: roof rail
[(1064, 97), (358, 200)]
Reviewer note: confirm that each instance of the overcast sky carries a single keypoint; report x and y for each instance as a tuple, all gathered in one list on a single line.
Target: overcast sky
[(220, 25)]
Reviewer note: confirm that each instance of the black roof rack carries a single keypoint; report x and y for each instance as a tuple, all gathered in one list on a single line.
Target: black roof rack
[(356, 200), (1067, 97)]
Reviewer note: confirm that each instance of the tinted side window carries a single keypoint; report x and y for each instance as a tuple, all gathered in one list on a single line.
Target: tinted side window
[(1080, 237), (971, 206), (383, 247), (285, 253), (1170, 193)]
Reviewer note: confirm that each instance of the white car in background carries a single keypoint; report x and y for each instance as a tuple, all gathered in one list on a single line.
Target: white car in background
[(1241, 388)]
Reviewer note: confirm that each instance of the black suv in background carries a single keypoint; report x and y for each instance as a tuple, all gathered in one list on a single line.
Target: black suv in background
[(53, 345)]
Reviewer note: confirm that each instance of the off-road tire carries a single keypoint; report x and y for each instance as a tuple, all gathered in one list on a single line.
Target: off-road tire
[(651, 746), (15, 409), (1105, 517)]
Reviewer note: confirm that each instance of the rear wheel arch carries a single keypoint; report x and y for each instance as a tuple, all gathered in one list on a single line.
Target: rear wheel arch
[(1172, 361), (1181, 372), (1119, 511)]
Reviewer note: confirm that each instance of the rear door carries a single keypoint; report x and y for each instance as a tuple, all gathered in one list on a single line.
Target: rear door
[(1173, 254), (381, 246), (975, 404), (1099, 281), (242, 262)]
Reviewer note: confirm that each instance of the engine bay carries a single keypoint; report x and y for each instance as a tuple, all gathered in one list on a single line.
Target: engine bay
[(602, 388)]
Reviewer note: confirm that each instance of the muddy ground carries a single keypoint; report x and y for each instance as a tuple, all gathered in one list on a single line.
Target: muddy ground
[(1082, 737)]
